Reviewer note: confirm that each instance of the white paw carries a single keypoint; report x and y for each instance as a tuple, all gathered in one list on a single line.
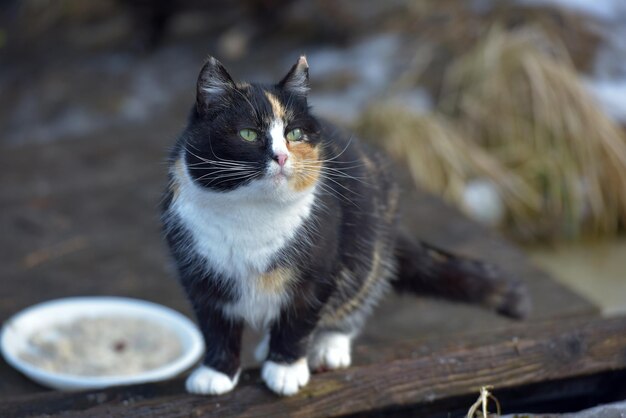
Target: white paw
[(207, 381), (330, 351), (285, 379), (261, 351)]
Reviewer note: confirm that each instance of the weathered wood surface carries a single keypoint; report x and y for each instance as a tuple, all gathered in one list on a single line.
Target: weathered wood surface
[(79, 217), (409, 374), (613, 410)]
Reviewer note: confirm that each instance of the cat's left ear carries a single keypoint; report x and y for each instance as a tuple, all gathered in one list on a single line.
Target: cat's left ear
[(214, 83), (297, 79)]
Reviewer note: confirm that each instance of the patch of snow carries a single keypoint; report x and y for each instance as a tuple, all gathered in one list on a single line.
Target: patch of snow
[(369, 59), (480, 6), (611, 94), (417, 100), (60, 105), (607, 81), (482, 202), (597, 9), (373, 65)]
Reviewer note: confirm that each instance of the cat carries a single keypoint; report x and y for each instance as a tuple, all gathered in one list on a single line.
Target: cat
[(277, 219)]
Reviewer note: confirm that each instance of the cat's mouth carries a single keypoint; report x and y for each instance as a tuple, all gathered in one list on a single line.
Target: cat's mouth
[(279, 173), (280, 177)]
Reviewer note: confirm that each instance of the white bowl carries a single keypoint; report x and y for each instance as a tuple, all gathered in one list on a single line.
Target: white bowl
[(16, 331)]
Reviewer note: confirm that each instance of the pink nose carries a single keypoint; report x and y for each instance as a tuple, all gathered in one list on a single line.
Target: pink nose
[(280, 159)]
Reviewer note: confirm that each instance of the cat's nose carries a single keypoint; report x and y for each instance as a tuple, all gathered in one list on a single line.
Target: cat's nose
[(280, 158)]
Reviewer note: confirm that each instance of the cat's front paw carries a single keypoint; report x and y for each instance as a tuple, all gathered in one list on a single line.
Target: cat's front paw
[(330, 351), (207, 381), (285, 379)]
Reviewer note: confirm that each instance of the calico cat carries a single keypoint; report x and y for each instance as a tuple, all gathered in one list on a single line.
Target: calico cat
[(278, 220)]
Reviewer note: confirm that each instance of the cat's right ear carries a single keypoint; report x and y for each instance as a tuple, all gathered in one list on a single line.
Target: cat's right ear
[(297, 79), (214, 83)]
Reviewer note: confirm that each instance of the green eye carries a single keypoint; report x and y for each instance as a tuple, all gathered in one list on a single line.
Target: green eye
[(248, 134), (294, 135)]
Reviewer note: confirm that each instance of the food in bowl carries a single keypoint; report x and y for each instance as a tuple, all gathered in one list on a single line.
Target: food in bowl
[(102, 346)]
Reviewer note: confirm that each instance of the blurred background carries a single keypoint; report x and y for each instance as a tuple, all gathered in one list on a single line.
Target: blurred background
[(512, 111)]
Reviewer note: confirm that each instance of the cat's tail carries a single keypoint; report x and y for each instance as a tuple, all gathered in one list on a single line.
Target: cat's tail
[(429, 271)]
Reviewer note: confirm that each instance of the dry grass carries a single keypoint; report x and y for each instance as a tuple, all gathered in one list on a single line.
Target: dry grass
[(437, 155), (480, 408), (514, 111), (520, 98)]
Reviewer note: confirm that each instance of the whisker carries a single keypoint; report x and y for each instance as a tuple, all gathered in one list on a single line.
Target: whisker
[(230, 175), (207, 161), (338, 174), (338, 183), (254, 109), (328, 169), (205, 166), (334, 192), (329, 189), (344, 149), (341, 162), (221, 162), (225, 160), (222, 172), (321, 164), (226, 174), (244, 177)]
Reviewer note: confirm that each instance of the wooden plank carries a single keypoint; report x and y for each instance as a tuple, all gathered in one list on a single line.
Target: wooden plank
[(100, 234), (613, 410), (406, 375), (556, 396)]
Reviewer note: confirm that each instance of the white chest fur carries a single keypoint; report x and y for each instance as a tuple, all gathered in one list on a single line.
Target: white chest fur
[(239, 233)]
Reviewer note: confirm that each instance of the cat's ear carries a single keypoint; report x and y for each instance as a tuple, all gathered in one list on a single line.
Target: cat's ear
[(214, 83), (297, 79)]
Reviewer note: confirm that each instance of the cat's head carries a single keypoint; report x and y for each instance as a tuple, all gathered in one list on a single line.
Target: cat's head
[(260, 136)]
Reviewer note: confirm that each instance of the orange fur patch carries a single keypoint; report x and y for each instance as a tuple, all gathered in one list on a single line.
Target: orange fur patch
[(305, 157), (437, 256), (178, 175), (392, 205), (277, 108), (276, 280), (306, 165), (373, 276), (367, 161)]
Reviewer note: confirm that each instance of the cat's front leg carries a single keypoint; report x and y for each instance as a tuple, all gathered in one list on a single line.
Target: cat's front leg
[(285, 370), (220, 369)]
